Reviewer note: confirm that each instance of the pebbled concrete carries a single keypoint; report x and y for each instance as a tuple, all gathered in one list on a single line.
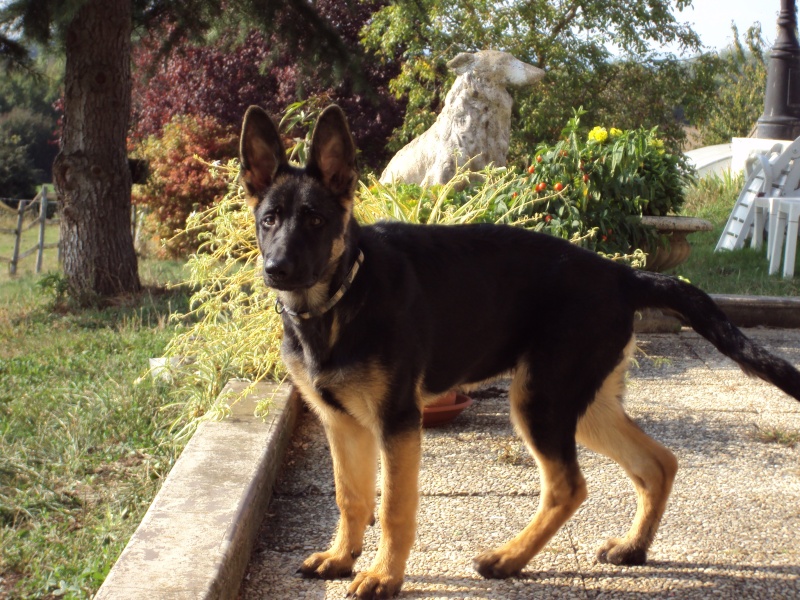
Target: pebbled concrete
[(195, 540), (730, 530)]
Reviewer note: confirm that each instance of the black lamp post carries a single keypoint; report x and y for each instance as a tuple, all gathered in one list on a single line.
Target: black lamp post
[(781, 118)]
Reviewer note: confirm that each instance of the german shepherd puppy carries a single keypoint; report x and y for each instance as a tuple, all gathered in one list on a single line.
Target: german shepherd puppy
[(372, 334)]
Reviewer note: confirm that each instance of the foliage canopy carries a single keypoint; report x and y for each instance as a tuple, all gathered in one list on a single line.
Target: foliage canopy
[(95, 36), (572, 41), (741, 84)]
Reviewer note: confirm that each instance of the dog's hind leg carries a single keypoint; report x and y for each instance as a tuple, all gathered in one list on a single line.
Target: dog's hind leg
[(605, 428), (354, 449), (549, 434)]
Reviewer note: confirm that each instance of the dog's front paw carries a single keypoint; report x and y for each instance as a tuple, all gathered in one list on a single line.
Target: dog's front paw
[(496, 564), (369, 585), (326, 565), (618, 551)]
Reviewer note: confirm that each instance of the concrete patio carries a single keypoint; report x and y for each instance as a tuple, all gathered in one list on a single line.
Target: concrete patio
[(730, 530)]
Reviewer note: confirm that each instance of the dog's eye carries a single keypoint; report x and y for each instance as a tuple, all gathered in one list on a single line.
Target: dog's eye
[(269, 219), (315, 220)]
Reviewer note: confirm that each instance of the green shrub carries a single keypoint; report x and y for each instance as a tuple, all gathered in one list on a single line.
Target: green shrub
[(604, 181), (17, 173), (180, 183), (711, 197), (589, 188), (741, 85), (233, 329)]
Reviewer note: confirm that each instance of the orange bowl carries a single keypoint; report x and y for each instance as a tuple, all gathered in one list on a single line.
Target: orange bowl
[(436, 416)]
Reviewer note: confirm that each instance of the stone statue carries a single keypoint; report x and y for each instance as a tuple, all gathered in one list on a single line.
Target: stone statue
[(474, 125)]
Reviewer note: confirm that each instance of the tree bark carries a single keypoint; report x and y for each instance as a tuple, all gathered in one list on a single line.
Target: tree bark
[(91, 171)]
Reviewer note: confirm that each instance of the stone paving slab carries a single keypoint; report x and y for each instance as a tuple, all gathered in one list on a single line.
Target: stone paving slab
[(731, 530)]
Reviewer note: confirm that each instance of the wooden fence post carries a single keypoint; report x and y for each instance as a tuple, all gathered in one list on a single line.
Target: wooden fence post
[(12, 267), (42, 222)]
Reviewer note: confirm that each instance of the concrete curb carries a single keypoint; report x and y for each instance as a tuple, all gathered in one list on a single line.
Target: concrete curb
[(761, 311), (195, 540), (745, 311)]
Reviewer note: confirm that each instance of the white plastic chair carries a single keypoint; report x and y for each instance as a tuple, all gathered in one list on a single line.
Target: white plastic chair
[(774, 174), (784, 224), (761, 212)]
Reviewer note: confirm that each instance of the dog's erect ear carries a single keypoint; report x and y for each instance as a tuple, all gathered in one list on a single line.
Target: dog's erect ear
[(261, 152), (333, 153)]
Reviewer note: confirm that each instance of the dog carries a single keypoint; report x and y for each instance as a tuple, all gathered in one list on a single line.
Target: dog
[(372, 334)]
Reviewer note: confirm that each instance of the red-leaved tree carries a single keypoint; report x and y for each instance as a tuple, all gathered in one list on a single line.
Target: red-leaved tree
[(224, 78), (179, 183)]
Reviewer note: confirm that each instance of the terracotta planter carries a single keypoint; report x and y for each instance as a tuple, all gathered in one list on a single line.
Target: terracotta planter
[(446, 399), (675, 248), (445, 409)]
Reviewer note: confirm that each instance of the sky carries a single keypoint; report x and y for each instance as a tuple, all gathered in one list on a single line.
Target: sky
[(711, 19)]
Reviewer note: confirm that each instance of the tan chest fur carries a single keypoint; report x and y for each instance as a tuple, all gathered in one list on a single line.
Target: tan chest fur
[(361, 390)]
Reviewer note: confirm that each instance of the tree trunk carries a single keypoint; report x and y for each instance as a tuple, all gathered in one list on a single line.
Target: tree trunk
[(91, 172)]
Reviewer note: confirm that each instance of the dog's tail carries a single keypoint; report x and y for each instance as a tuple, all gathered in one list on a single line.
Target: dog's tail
[(653, 290)]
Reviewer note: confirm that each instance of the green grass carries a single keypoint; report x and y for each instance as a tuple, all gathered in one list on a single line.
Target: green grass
[(29, 240), (777, 435), (83, 441), (728, 272)]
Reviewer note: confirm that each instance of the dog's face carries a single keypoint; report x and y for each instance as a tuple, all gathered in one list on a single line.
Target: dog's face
[(301, 214)]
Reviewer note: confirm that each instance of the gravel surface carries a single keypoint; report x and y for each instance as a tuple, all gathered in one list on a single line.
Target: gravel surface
[(731, 529)]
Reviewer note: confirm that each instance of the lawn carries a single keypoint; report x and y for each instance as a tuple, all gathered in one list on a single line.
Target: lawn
[(84, 444), (30, 238), (728, 272)]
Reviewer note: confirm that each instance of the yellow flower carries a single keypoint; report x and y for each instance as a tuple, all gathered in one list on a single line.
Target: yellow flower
[(658, 144), (598, 134), (615, 133)]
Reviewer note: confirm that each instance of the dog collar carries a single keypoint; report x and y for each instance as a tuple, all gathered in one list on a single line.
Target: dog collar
[(348, 281)]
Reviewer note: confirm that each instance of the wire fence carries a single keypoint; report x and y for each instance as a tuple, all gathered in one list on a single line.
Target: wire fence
[(44, 211), (45, 206)]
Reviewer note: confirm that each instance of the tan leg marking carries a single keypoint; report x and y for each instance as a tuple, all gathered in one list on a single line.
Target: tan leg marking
[(605, 428), (398, 514), (355, 464), (563, 491)]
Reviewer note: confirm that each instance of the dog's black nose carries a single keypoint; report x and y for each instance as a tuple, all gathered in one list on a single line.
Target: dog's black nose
[(277, 269)]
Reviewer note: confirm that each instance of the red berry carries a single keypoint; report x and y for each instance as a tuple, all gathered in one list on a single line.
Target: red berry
[(585, 178), (531, 169), (538, 158), (547, 218), (558, 186)]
